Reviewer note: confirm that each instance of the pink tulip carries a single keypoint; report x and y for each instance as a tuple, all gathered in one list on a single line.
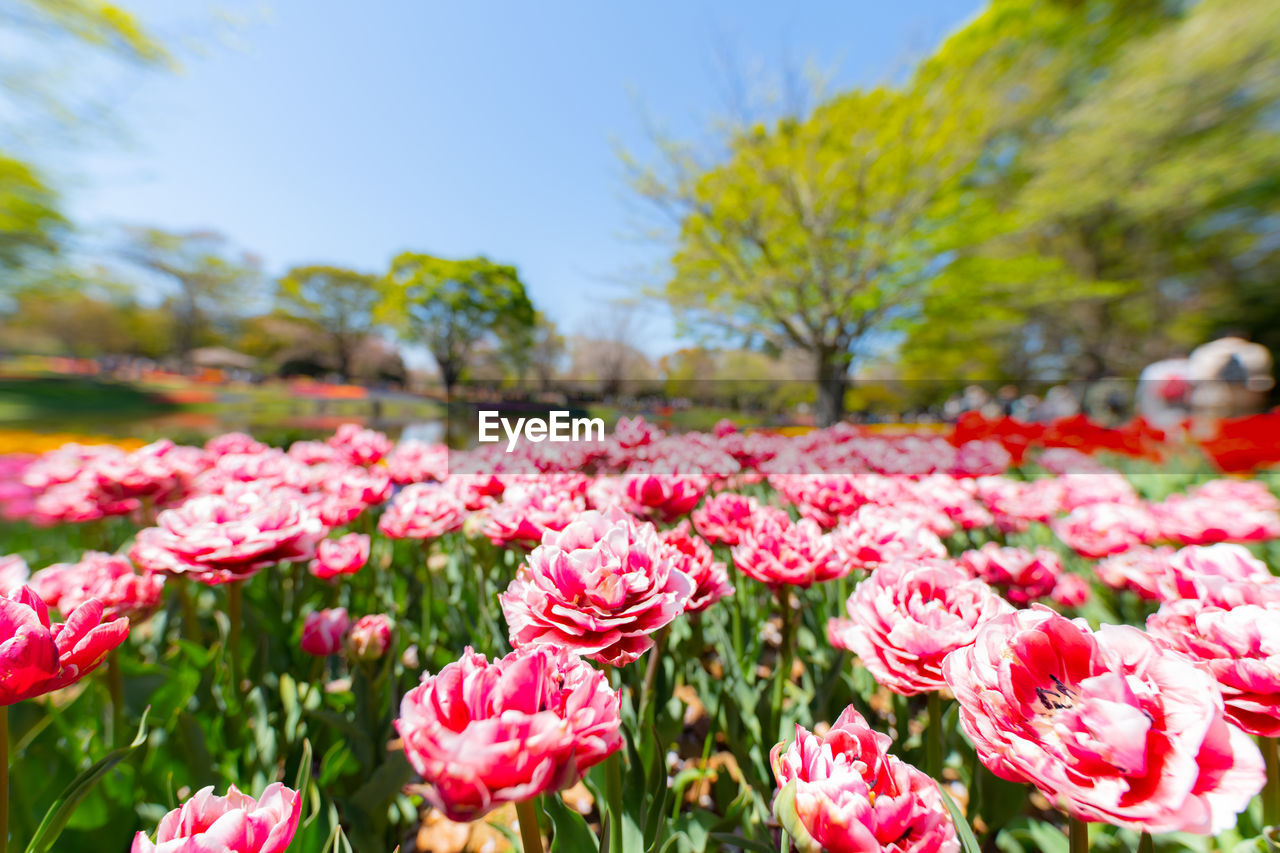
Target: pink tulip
[(851, 796), (1191, 567), (874, 535), (13, 573), (323, 631), (370, 637), (1205, 520), (226, 537), (779, 552), (236, 823), (1234, 631), (1102, 529), (1023, 575), (345, 555), (1141, 569), (360, 446), (482, 734), (664, 496), (422, 511), (722, 518), (601, 588), (38, 656), (110, 578), (527, 510), (1109, 725), (907, 616), (418, 462), (710, 577)]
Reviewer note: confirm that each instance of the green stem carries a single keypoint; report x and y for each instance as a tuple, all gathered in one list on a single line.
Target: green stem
[(115, 686), (613, 793), (651, 673), (1145, 844), (786, 656), (235, 609), (4, 778), (1271, 793), (935, 753), (190, 618), (1077, 835), (530, 835)]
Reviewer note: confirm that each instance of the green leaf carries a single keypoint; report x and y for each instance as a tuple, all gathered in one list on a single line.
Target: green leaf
[(967, 841), (60, 811), (571, 833)]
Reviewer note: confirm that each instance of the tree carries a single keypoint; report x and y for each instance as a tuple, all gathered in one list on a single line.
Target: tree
[(452, 306), (338, 302), (30, 223), (1037, 285), (210, 278), (813, 233)]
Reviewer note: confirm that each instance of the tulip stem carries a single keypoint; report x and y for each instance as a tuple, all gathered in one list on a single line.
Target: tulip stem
[(4, 778), (935, 749), (1078, 835), (786, 656), (1271, 793), (235, 609), (651, 674), (115, 686), (1145, 844), (613, 792), (530, 835)]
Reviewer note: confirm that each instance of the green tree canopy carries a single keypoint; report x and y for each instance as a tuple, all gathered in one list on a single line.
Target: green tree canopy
[(339, 302), (451, 306)]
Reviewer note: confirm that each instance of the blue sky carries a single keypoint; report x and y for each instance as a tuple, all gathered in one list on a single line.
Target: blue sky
[(343, 132)]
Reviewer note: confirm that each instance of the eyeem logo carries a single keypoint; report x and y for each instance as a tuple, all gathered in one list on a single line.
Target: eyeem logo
[(557, 426)]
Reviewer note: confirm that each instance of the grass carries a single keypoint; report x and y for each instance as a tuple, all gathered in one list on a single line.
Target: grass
[(74, 399)]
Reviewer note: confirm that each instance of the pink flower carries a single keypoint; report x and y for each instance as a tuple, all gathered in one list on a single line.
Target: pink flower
[(110, 578), (907, 616), (722, 519), (482, 734), (13, 573), (235, 823), (710, 577), (824, 498), (1141, 569), (1023, 575), (418, 462), (602, 587), (323, 631), (422, 511), (227, 537), (844, 793), (1251, 493), (664, 496), (345, 555), (233, 442), (370, 637), (38, 656), (1190, 568), (526, 511), (1102, 529), (1070, 591), (723, 428), (1109, 725), (1205, 520), (876, 535), (1235, 632), (779, 552), (360, 446)]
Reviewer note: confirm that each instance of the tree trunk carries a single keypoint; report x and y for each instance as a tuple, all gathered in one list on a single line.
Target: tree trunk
[(832, 376)]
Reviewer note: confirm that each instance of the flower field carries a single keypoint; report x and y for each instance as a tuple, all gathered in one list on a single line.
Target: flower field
[(1003, 637)]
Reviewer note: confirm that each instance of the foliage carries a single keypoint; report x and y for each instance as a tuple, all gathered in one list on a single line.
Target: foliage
[(339, 302), (209, 279), (451, 307)]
